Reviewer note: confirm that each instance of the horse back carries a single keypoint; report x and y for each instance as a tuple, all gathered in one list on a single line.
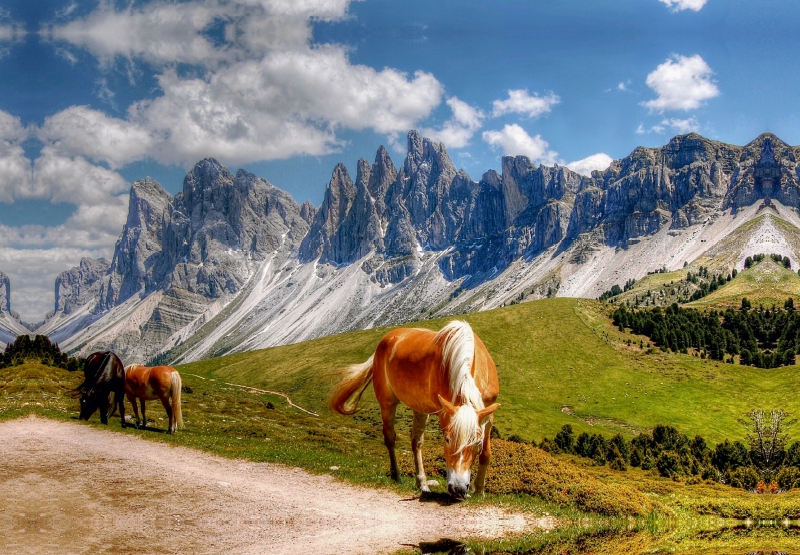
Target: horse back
[(149, 382), (484, 372), (408, 365), (103, 372)]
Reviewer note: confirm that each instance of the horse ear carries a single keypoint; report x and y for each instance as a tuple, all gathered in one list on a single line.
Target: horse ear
[(448, 407), (485, 413)]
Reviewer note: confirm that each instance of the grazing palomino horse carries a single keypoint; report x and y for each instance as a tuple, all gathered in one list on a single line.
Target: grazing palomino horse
[(148, 383), (449, 373), (103, 374)]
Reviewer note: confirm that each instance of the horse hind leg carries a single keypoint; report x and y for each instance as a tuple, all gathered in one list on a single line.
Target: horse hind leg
[(144, 416), (417, 439), (170, 415), (390, 438), (119, 401)]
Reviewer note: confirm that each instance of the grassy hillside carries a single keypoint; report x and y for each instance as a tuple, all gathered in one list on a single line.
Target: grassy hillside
[(560, 361), (767, 283)]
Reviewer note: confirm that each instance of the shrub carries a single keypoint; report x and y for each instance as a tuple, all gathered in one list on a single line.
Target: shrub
[(788, 477), (582, 445), (636, 457), (744, 477), (616, 460), (565, 439), (669, 464), (520, 468), (547, 446)]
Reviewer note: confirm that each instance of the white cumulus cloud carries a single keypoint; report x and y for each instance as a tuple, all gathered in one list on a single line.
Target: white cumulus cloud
[(514, 140), (15, 168), (680, 5), (520, 102), (682, 126), (682, 83), (460, 128), (586, 166), (266, 92), (677, 125)]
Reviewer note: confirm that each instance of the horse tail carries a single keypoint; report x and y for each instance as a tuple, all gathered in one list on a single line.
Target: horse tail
[(347, 393), (458, 356), (176, 399)]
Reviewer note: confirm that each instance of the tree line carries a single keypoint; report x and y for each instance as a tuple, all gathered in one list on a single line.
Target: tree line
[(761, 337), (762, 462), (41, 350)]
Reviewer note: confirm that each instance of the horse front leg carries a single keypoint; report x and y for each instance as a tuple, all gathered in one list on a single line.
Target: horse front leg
[(390, 439), (119, 400), (132, 400), (484, 458), (105, 409), (417, 439)]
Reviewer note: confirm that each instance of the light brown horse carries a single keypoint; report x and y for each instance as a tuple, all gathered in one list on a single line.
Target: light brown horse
[(449, 373), (148, 383)]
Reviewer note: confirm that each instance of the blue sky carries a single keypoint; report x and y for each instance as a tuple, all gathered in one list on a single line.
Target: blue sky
[(95, 95)]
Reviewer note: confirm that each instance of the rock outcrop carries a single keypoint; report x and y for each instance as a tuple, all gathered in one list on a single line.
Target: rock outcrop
[(10, 324), (81, 285), (5, 294)]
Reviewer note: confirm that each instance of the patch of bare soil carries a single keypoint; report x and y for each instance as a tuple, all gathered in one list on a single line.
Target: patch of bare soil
[(69, 488)]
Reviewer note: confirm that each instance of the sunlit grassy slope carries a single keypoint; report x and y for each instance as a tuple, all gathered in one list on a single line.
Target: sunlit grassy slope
[(560, 361), (766, 283)]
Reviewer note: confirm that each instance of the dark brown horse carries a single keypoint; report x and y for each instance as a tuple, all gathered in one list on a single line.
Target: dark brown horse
[(148, 383), (450, 374), (103, 374)]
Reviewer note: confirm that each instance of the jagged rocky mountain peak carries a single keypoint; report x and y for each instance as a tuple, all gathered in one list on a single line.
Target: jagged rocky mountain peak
[(308, 211), (394, 243), (426, 156), (5, 294)]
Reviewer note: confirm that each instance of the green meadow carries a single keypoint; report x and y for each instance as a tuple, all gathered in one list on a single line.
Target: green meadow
[(560, 361)]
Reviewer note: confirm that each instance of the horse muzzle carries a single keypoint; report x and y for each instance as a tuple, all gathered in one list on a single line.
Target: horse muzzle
[(458, 486)]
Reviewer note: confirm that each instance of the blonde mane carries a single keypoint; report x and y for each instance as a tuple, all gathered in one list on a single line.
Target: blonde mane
[(458, 355)]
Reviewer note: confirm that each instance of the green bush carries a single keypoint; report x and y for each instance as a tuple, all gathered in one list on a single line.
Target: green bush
[(744, 477), (788, 477), (669, 464)]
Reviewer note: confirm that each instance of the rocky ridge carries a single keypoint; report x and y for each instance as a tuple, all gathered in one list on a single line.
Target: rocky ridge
[(10, 325), (233, 263)]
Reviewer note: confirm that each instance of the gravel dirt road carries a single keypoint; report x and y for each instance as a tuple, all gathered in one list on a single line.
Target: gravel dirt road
[(69, 488)]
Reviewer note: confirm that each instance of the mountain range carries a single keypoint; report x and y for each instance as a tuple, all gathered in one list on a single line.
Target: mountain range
[(232, 263)]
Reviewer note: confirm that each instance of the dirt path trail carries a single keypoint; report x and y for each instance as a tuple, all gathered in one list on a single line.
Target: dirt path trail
[(69, 488)]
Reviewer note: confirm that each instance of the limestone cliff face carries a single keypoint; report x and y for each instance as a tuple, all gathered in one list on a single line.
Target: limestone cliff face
[(184, 252), (137, 255), (81, 285), (220, 224), (5, 294), (10, 324), (767, 169)]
